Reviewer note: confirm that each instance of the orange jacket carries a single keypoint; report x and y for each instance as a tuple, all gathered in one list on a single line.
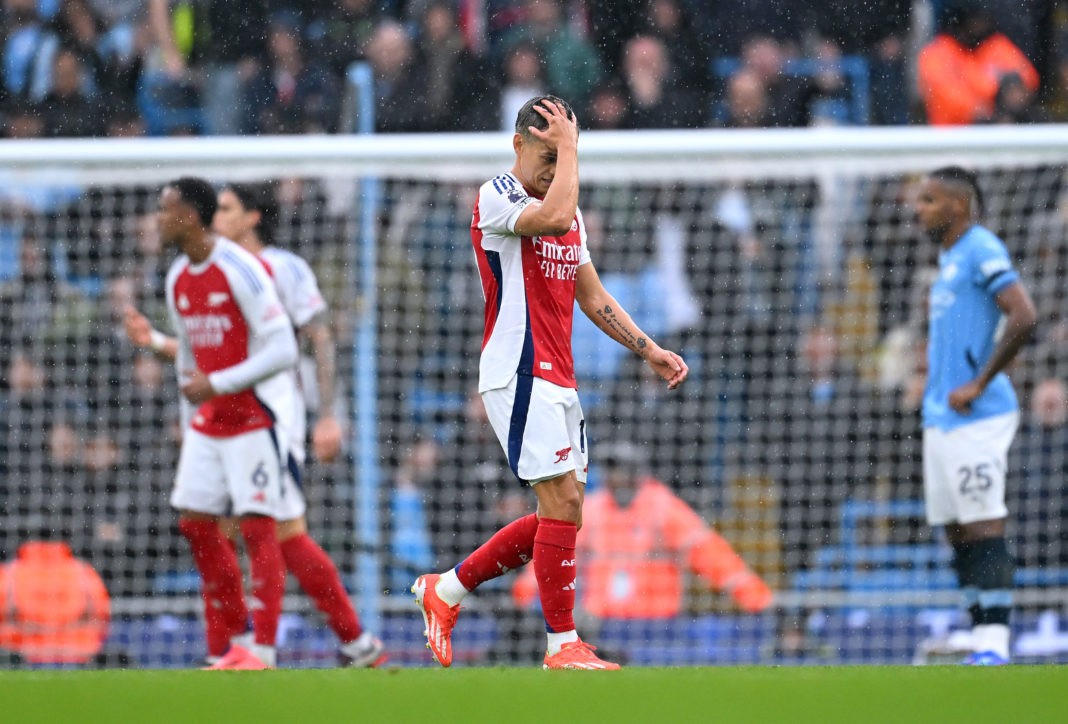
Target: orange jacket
[(631, 560), (54, 608), (958, 85)]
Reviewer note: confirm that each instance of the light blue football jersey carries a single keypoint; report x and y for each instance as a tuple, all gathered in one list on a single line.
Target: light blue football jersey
[(962, 327)]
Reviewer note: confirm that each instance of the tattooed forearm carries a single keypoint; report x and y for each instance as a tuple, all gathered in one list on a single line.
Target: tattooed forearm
[(325, 364), (620, 330)]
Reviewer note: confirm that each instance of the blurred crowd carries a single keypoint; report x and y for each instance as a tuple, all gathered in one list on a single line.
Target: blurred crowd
[(179, 67)]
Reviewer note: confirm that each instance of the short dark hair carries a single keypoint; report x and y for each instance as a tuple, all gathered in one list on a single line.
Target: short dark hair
[(528, 117), (199, 194), (258, 197), (962, 177)]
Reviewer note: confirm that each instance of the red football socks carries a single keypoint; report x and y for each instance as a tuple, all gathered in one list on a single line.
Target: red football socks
[(268, 576), (554, 567), (319, 578), (224, 602), (509, 548)]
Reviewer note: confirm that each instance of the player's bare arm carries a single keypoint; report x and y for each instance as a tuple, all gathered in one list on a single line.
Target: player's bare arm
[(143, 335), (1020, 319), (326, 436), (547, 162), (603, 310)]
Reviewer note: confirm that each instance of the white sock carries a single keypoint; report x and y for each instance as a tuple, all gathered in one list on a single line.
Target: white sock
[(991, 637), (557, 640), (449, 588), (264, 653)]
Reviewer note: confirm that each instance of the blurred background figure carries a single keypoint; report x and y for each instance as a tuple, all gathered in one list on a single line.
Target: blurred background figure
[(572, 66), (962, 68), (410, 547), (54, 608), (289, 94), (656, 99), (639, 540), (524, 78)]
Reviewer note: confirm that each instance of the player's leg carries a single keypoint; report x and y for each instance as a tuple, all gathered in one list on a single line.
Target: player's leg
[(439, 595), (254, 478), (984, 564), (541, 430), (544, 436), (232, 628), (200, 494), (319, 578), (968, 467), (982, 546)]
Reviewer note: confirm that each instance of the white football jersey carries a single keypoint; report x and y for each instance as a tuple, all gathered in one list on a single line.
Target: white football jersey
[(302, 299)]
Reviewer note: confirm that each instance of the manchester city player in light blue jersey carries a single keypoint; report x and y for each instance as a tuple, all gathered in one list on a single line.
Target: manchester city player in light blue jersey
[(980, 315)]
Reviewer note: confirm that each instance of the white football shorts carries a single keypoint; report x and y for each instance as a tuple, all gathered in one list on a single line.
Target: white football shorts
[(292, 504), (236, 475), (540, 426), (964, 470)]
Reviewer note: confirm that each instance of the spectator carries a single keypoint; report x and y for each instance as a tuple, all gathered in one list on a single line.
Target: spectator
[(524, 78), (452, 102), (27, 51), (667, 20), (68, 110), (475, 493), (655, 100), (876, 30), (787, 95), (818, 440), (612, 22), (961, 69), (572, 66), (36, 308), (409, 541), (1039, 501), (123, 121), (224, 41), (54, 608), (338, 36), (747, 104), (103, 35), (23, 120), (289, 94), (608, 106), (637, 542), (399, 90)]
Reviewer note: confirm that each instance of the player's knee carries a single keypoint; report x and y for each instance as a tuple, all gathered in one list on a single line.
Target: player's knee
[(559, 499), (195, 515), (291, 529)]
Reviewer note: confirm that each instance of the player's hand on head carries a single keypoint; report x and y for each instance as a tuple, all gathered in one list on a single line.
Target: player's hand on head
[(137, 327), (562, 129), (668, 366), (197, 388), (326, 439)]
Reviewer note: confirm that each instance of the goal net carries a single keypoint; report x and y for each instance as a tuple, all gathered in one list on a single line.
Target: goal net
[(785, 267)]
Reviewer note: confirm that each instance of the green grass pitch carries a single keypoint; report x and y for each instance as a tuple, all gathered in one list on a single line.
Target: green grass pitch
[(943, 694)]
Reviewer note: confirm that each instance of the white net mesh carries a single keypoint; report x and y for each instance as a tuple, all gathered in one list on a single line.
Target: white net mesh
[(785, 267)]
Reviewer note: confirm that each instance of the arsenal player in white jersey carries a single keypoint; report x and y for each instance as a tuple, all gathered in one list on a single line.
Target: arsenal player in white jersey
[(247, 213), (530, 245), (235, 358)]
